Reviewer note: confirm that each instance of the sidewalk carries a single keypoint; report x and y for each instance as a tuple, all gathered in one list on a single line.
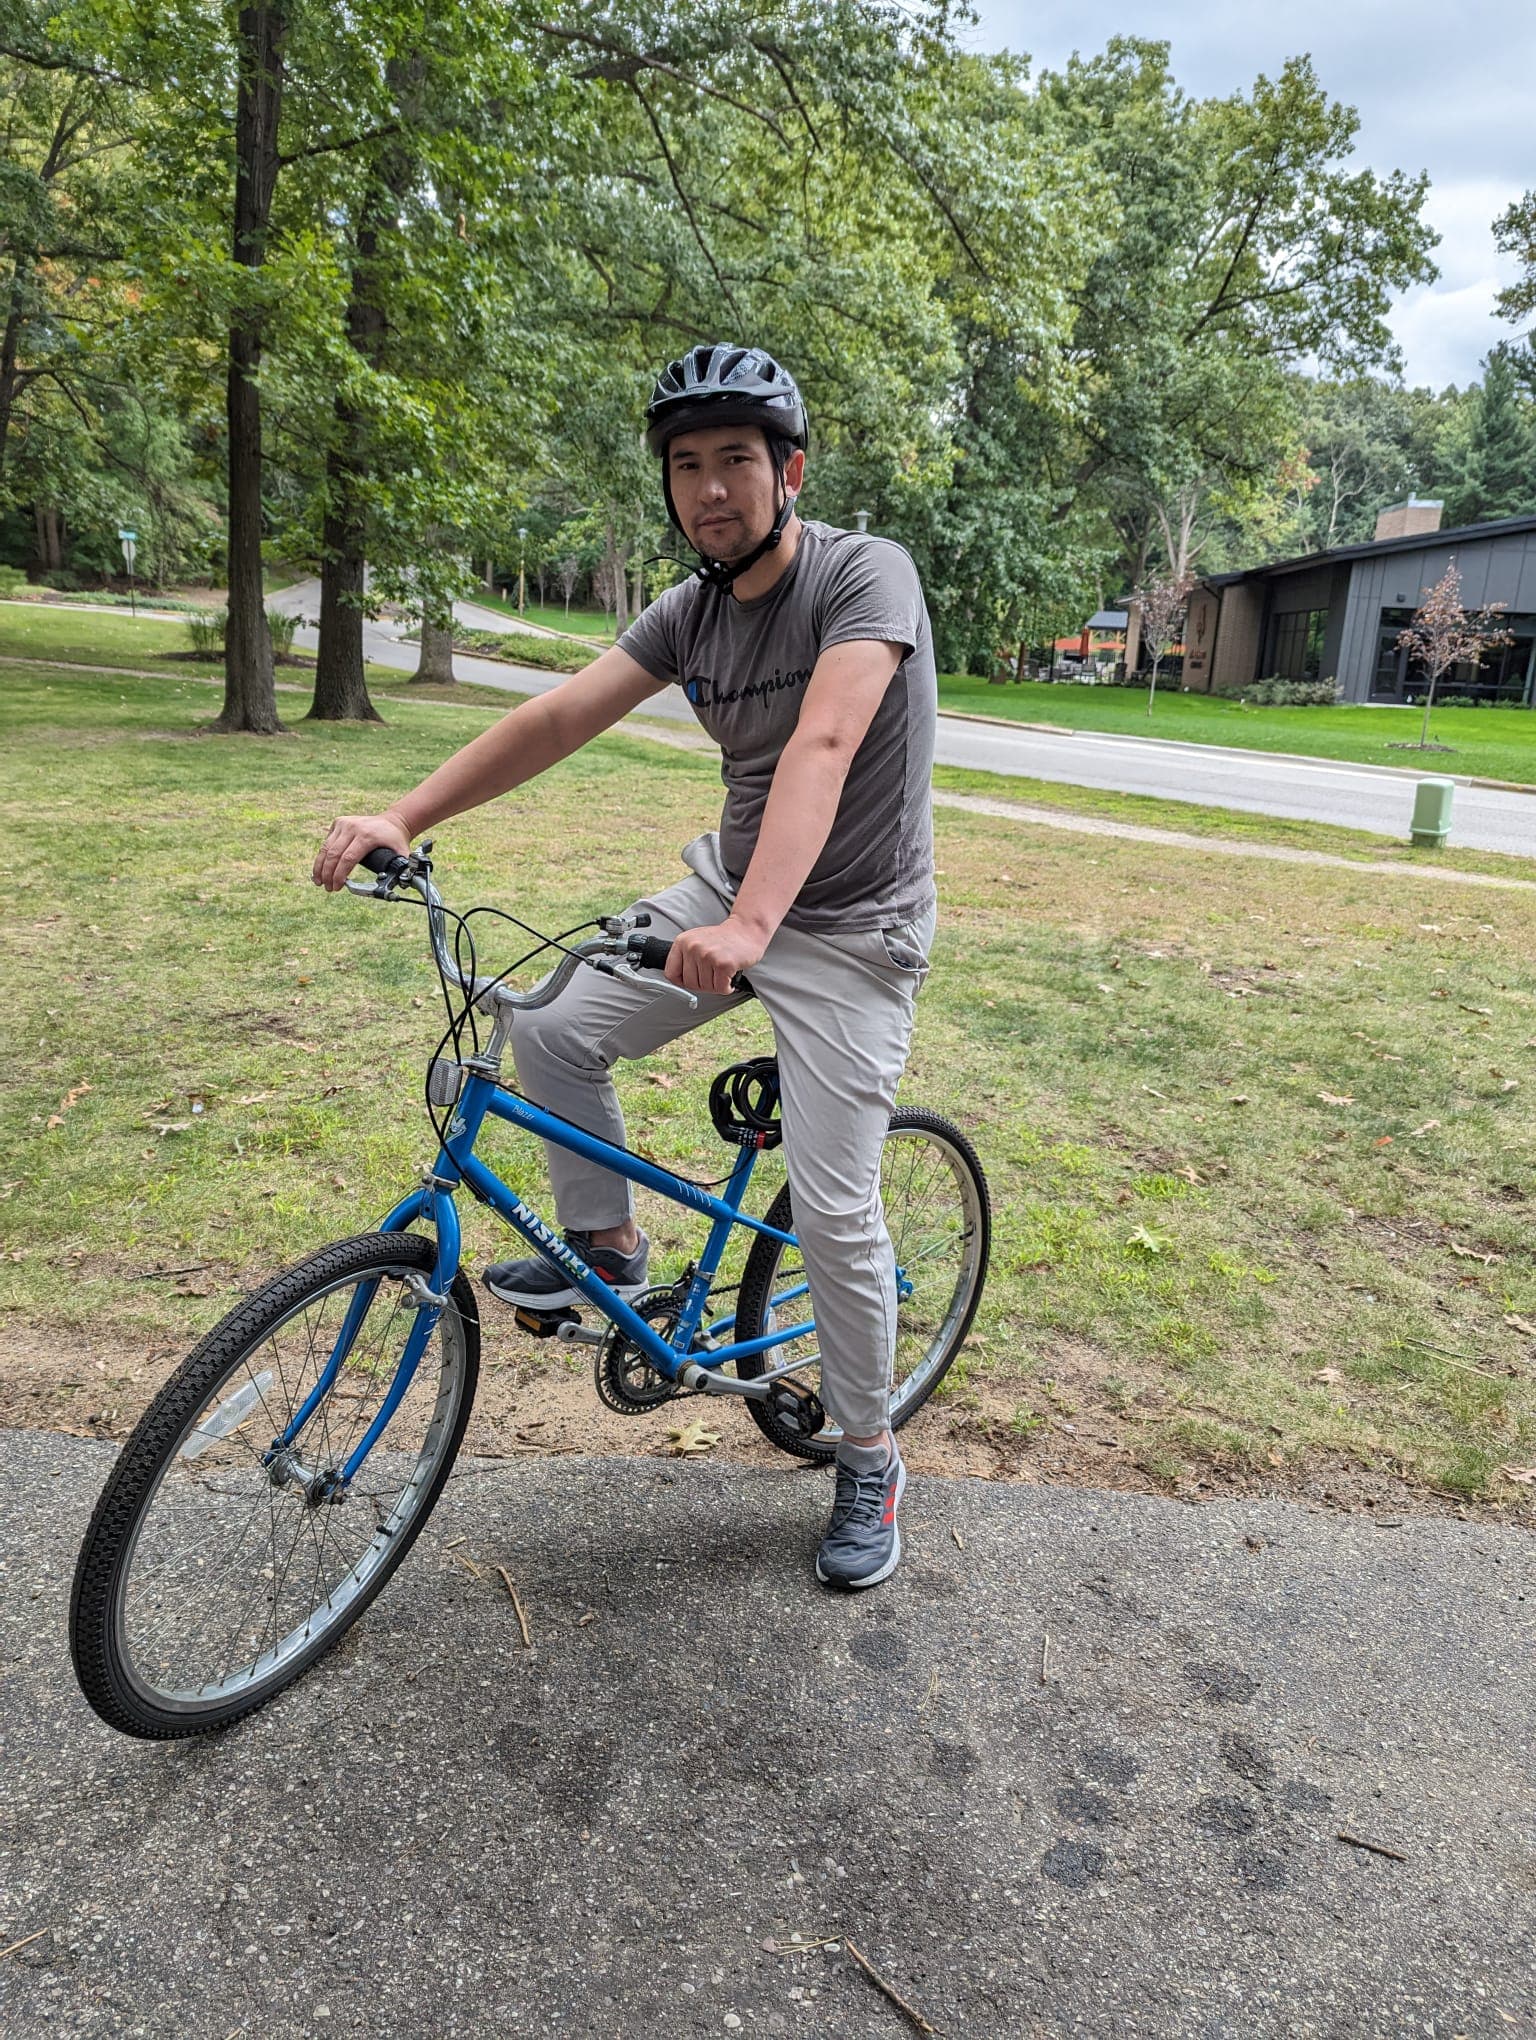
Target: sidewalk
[(441, 1833)]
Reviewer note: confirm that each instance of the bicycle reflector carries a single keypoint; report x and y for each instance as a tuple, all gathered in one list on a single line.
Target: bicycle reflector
[(744, 1103)]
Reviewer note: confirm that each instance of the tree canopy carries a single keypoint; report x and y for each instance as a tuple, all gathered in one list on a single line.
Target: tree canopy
[(376, 290)]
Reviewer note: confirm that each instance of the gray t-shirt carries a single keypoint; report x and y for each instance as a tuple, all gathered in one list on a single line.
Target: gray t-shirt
[(744, 667)]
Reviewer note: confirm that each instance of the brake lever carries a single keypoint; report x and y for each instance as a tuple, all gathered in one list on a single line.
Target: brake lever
[(652, 981)]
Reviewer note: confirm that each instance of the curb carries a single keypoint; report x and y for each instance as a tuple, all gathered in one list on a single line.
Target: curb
[(1405, 772)]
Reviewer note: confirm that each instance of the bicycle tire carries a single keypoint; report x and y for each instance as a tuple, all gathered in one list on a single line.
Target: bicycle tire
[(918, 1380), (192, 1420)]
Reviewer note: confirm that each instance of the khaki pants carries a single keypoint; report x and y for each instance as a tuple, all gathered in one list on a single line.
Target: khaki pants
[(841, 1007)]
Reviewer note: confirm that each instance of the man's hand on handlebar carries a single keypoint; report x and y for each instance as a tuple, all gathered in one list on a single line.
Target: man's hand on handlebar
[(711, 959), (347, 843)]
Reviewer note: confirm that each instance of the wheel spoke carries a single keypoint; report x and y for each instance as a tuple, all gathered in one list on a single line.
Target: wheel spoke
[(239, 1564)]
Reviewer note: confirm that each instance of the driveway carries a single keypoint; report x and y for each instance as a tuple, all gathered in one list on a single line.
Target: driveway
[(1085, 1767)]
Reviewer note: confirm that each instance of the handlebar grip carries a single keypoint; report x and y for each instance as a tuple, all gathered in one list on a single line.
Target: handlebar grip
[(652, 951), (383, 862)]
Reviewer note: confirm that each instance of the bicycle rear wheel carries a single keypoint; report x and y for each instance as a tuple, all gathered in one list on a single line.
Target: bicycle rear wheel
[(940, 1221), (214, 1574)]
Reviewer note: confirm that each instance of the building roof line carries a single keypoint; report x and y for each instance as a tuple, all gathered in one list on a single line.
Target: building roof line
[(1418, 541)]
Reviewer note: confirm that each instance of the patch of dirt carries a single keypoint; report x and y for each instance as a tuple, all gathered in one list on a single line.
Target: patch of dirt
[(536, 1399)]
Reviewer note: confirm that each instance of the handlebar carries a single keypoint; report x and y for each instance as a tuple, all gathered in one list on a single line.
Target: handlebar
[(616, 952)]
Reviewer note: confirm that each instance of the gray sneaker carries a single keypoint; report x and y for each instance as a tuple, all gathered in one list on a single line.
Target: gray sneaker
[(537, 1284), (862, 1546)]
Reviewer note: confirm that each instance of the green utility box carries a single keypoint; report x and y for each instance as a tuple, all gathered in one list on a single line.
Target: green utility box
[(1431, 822)]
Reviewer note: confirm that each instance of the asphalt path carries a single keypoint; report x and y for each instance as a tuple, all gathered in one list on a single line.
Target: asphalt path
[(1082, 1767), (1378, 799)]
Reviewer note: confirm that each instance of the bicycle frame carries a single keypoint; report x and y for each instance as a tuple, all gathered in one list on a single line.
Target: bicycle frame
[(457, 1163)]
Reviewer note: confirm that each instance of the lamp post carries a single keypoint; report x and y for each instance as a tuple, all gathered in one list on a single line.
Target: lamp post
[(522, 545)]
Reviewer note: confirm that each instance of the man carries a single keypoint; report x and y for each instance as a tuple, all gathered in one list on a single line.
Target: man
[(805, 652)]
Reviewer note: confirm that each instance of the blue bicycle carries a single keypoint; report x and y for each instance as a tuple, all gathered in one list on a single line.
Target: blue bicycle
[(284, 1471)]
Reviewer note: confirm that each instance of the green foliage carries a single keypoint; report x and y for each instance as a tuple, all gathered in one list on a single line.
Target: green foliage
[(1278, 692), (525, 648), (11, 579), (205, 630)]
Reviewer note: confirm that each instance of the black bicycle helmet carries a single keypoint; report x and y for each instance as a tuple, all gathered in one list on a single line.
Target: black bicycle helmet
[(716, 385)]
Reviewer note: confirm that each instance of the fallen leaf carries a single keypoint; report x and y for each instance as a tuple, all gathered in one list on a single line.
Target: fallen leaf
[(1336, 1097), (1148, 1242), (1471, 1254), (690, 1440), (1486, 1011), (1520, 1324), (1429, 1126), (1240, 1099), (660, 1079), (1510, 1084), (1332, 1375), (165, 1126), (1523, 1476)]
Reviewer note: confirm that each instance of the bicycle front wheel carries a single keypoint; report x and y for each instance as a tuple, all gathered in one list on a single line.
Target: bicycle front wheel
[(940, 1221), (216, 1568)]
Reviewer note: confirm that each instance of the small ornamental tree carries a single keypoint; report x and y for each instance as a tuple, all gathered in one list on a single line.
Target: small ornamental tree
[(1163, 603), (1443, 635)]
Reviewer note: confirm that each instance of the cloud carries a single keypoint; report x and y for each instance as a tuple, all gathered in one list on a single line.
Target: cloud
[(1452, 99)]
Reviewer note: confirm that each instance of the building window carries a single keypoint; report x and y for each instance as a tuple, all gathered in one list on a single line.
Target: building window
[(1296, 645), (1506, 676)]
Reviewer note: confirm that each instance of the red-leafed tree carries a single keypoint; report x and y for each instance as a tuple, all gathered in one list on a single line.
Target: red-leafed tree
[(1163, 604), (1444, 634)]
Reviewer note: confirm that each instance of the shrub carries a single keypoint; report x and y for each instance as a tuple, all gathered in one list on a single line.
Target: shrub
[(1278, 692), (11, 579), (523, 648), (282, 626), (61, 580), (205, 632)]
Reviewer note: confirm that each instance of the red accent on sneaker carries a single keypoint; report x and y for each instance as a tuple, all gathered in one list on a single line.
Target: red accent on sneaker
[(890, 1506)]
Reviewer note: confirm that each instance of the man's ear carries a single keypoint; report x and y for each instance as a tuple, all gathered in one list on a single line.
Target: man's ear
[(794, 471)]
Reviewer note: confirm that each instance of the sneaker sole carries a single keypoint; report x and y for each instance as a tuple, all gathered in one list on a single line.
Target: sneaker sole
[(872, 1579), (558, 1299)]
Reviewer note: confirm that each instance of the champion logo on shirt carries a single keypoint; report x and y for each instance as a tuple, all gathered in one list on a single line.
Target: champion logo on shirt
[(705, 692)]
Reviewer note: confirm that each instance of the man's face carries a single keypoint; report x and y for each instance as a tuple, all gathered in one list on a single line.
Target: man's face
[(725, 488)]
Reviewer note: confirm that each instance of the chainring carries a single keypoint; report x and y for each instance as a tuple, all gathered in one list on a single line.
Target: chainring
[(624, 1378)]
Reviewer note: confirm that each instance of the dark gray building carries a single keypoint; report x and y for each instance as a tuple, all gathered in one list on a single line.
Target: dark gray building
[(1338, 614)]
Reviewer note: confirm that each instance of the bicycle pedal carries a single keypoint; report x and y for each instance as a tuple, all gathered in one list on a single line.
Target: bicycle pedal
[(544, 1324)]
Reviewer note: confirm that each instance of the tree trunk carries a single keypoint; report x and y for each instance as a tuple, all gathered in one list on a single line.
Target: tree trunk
[(250, 697), (50, 541), (9, 349), (341, 690), (435, 665)]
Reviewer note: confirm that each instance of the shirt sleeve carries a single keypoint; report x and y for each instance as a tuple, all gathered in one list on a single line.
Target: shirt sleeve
[(651, 640), (873, 593)]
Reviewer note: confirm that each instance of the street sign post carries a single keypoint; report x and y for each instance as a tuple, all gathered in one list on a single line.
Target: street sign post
[(130, 544)]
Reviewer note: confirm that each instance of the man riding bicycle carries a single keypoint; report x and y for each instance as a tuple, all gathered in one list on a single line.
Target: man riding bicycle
[(805, 652)]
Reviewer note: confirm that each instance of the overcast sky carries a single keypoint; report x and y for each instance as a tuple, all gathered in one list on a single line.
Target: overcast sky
[(1447, 89)]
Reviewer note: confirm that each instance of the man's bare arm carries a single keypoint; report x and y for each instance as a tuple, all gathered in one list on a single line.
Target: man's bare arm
[(536, 734), (846, 689)]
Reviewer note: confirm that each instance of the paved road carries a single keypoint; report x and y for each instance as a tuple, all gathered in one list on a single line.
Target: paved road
[(1373, 798), (439, 1833)]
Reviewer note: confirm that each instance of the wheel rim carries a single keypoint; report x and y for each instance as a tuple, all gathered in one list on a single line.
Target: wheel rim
[(933, 1212), (231, 1576)]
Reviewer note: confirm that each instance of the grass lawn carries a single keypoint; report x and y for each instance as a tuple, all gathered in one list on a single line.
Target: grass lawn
[(1486, 743), (1259, 1136), (592, 623)]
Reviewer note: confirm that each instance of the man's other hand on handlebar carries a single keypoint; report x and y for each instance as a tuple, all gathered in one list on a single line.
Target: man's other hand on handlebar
[(348, 841)]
